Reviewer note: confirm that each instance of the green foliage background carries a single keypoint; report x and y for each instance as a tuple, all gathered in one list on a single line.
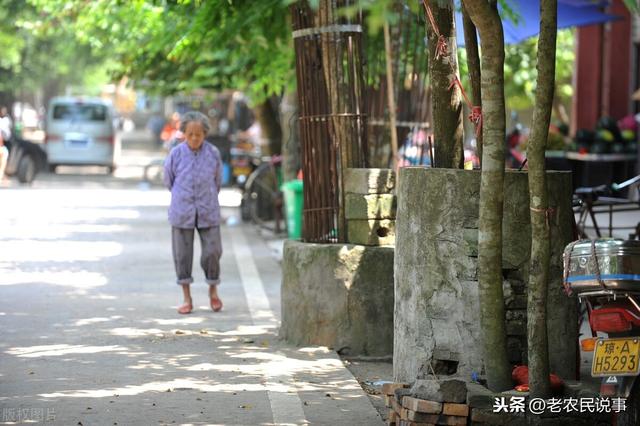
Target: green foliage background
[(169, 46)]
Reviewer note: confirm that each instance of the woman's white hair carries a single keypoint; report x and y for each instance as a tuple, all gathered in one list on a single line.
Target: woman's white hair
[(195, 116)]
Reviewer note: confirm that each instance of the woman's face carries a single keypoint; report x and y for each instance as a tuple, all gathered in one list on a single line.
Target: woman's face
[(194, 134)]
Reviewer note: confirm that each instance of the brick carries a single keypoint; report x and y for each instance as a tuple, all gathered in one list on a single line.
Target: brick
[(393, 418), (387, 400), (451, 409), (454, 391), (479, 397), (396, 407), (516, 328), (452, 420), (374, 232), (390, 388), (369, 181), (422, 405), (371, 206), (483, 416), (404, 414), (410, 423), (422, 417), (401, 393), (518, 301)]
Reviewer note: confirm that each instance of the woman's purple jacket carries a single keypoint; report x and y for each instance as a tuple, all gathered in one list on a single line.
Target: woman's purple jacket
[(194, 178)]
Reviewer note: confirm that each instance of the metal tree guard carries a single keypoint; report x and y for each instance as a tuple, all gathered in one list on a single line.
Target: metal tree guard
[(332, 120)]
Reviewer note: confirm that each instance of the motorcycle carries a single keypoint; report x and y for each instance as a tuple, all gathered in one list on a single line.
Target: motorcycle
[(26, 160), (605, 275), (244, 159)]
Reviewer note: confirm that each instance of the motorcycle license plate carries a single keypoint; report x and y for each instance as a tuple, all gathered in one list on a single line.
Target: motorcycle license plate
[(616, 357)]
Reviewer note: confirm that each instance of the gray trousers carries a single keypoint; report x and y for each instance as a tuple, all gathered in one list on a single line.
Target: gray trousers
[(182, 246)]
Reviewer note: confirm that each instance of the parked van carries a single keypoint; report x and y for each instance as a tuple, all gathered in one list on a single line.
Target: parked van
[(80, 131)]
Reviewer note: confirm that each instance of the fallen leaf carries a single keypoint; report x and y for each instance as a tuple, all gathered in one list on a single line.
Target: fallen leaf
[(180, 332)]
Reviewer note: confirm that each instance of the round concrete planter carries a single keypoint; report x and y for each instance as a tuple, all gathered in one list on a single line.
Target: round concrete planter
[(436, 291)]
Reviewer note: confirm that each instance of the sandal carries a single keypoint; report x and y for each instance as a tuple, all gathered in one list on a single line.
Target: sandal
[(216, 304), (185, 308)]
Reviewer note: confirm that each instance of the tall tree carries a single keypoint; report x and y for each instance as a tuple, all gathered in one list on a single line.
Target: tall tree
[(484, 15), (539, 205), (473, 64), (443, 69), (171, 47), (40, 59)]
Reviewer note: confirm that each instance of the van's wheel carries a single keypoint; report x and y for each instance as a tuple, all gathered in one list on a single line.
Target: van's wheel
[(111, 169), (52, 168), (631, 415), (26, 169)]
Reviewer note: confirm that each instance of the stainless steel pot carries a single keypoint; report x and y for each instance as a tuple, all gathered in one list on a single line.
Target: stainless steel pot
[(603, 264)]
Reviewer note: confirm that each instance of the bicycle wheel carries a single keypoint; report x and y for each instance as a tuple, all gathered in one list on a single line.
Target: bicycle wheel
[(263, 198)]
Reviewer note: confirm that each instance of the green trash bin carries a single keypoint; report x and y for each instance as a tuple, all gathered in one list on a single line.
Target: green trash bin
[(293, 201)]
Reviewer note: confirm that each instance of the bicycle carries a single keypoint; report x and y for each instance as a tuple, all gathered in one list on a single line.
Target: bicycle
[(591, 201), (262, 200)]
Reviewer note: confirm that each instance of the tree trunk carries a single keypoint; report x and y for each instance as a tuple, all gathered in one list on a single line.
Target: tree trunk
[(538, 201), (7, 96), (492, 313), (267, 116), (291, 161), (473, 63), (447, 102)]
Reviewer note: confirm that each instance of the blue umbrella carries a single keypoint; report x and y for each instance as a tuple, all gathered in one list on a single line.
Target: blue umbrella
[(571, 13)]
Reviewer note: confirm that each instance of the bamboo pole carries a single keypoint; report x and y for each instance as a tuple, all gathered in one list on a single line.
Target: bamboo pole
[(391, 102)]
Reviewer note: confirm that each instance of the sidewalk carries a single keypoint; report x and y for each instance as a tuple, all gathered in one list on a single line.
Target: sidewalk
[(91, 336)]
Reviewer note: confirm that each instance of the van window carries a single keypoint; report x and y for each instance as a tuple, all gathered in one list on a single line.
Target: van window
[(80, 112)]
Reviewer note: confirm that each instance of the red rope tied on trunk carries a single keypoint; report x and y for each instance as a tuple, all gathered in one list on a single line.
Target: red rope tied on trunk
[(476, 119), (431, 19), (476, 112), (442, 49)]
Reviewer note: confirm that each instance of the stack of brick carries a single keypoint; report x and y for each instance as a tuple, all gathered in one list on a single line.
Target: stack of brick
[(370, 206), (408, 410)]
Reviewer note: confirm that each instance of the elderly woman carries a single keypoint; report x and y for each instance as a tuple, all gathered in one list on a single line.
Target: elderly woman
[(193, 173)]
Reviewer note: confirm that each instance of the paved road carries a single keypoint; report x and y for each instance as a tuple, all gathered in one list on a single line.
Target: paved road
[(90, 333)]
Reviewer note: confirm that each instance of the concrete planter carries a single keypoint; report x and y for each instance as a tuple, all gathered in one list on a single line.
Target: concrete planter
[(338, 295), (436, 290)]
